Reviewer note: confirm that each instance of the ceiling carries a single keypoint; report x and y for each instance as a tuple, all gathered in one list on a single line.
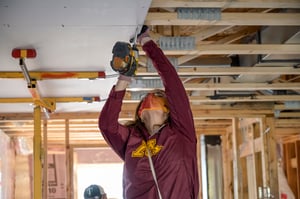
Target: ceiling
[(240, 58)]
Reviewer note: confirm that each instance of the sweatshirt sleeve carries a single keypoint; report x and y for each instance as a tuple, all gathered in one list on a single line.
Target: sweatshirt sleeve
[(114, 133), (180, 111)]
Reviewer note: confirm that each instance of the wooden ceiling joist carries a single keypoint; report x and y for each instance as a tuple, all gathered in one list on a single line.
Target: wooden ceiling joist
[(225, 4), (240, 49), (220, 71), (232, 86), (227, 19)]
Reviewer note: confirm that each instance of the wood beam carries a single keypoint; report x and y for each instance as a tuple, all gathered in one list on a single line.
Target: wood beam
[(225, 4), (232, 86), (282, 123), (287, 131), (240, 49), (272, 158), (226, 40), (227, 19), (21, 117), (208, 32), (219, 71), (247, 148)]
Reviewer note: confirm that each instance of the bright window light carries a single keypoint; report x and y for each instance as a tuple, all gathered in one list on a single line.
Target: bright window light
[(107, 175)]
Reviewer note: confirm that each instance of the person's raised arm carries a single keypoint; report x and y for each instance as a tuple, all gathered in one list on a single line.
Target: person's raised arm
[(180, 111), (114, 133)]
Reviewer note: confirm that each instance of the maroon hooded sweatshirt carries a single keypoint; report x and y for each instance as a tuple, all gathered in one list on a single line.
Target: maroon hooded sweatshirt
[(173, 148)]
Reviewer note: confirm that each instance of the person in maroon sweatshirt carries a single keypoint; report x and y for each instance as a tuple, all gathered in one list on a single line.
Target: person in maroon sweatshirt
[(162, 136)]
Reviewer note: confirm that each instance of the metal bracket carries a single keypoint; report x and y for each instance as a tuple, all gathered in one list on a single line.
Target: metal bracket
[(264, 193), (48, 104), (267, 130)]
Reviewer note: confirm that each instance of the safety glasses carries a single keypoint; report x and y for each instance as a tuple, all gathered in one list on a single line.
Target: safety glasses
[(156, 93)]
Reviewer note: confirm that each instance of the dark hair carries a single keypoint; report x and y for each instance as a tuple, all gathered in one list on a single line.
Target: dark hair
[(137, 120)]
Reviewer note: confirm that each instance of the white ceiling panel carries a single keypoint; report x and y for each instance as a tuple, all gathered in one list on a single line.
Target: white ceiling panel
[(68, 35)]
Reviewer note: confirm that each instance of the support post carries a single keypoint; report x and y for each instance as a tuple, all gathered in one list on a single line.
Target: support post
[(45, 162), (199, 164), (235, 159), (37, 155), (67, 154), (272, 158)]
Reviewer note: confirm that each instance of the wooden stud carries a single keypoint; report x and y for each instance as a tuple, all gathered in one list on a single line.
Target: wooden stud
[(272, 158)]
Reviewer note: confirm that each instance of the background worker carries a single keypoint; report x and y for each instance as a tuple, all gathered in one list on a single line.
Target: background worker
[(94, 192)]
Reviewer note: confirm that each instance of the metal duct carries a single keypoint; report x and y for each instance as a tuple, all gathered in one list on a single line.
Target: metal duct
[(177, 43), (150, 67), (199, 13), (292, 105), (144, 83)]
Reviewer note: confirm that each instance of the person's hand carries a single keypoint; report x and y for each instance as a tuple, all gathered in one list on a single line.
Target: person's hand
[(123, 60), (143, 33), (144, 36)]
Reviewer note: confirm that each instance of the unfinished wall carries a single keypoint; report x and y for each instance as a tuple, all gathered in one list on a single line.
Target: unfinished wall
[(7, 164)]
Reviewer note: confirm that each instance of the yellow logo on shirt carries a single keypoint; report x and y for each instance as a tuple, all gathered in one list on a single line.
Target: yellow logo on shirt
[(141, 151)]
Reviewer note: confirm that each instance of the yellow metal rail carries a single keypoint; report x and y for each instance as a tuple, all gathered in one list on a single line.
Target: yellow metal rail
[(40, 75), (50, 101)]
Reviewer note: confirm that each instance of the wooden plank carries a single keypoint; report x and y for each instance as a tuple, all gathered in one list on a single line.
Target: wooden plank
[(252, 163), (225, 4), (284, 107), (225, 114), (248, 147), (298, 167), (239, 49), (219, 71), (235, 159), (227, 168), (210, 31), (227, 19), (263, 133), (286, 131), (290, 138), (289, 115), (199, 163), (205, 131), (203, 34), (290, 153), (272, 157), (280, 123), (68, 160), (231, 86), (72, 164)]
